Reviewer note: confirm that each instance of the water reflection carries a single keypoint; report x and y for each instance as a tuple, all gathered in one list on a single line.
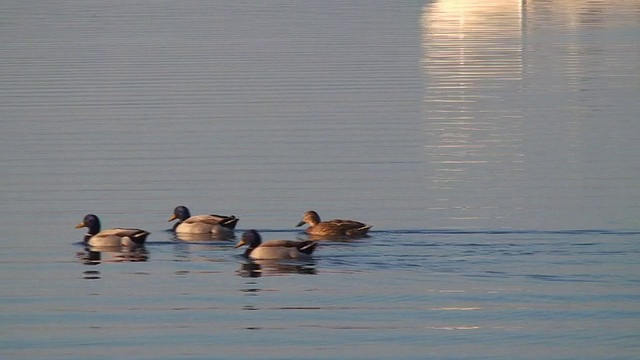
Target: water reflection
[(91, 275), (575, 14), (472, 62), (258, 268), (590, 88), (198, 251), (94, 255), (208, 237), (516, 93)]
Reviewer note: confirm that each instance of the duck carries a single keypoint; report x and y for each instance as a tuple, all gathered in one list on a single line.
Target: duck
[(275, 249), (335, 227), (110, 237), (202, 224)]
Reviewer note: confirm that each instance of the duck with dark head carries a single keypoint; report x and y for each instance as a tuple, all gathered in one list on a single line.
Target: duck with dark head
[(110, 237), (275, 249)]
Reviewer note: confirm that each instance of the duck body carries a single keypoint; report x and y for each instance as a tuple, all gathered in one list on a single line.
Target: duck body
[(202, 224), (333, 228), (275, 249), (110, 237)]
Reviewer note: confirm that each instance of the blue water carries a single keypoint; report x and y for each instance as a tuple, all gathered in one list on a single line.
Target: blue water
[(492, 146)]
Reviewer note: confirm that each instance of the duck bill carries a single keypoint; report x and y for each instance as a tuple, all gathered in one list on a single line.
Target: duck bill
[(300, 223), (81, 225), (173, 217), (241, 243)]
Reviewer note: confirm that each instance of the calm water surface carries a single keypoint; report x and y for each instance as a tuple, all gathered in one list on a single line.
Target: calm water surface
[(492, 146)]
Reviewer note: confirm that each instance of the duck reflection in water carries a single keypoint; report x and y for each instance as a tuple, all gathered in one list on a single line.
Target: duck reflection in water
[(204, 238), (94, 255), (258, 268)]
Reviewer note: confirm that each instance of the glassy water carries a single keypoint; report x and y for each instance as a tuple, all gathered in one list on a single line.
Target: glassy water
[(492, 146)]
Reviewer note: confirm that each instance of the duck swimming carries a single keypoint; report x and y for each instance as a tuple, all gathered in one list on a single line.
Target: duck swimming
[(275, 249), (335, 227), (202, 224), (110, 237)]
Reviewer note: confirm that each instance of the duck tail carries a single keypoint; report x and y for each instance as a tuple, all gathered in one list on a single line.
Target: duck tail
[(140, 236), (229, 222), (361, 231), (307, 247)]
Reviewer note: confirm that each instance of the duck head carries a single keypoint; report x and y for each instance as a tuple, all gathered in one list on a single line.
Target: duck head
[(251, 238), (181, 213), (310, 217), (91, 222)]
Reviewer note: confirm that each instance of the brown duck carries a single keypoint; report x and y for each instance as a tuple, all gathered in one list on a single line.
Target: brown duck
[(335, 227)]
